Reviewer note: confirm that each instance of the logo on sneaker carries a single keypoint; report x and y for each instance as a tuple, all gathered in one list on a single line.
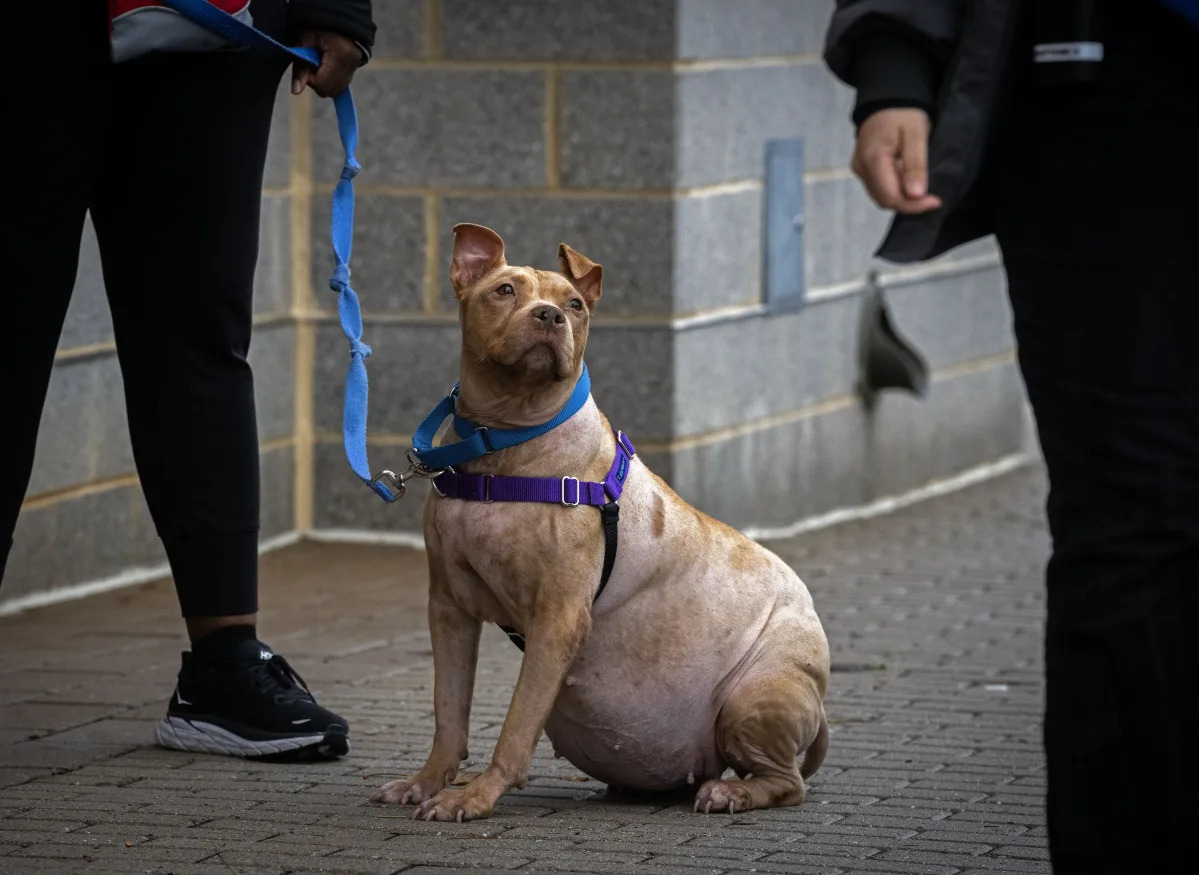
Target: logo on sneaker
[(298, 722), (265, 655), (179, 698)]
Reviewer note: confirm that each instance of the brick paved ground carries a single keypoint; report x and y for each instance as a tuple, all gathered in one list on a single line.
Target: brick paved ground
[(934, 614)]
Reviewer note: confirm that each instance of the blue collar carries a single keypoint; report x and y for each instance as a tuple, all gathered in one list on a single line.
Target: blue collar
[(479, 440)]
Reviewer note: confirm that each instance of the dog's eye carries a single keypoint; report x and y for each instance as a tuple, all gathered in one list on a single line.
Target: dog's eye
[(576, 304), (506, 289)]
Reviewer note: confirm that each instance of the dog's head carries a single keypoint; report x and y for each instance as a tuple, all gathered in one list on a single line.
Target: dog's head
[(531, 324)]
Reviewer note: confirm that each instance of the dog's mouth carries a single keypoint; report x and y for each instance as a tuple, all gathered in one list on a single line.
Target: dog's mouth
[(546, 357)]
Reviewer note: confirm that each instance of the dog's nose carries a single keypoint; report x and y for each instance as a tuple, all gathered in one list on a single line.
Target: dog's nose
[(548, 313)]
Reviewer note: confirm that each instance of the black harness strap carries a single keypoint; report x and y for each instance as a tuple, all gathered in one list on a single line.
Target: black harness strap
[(610, 515)]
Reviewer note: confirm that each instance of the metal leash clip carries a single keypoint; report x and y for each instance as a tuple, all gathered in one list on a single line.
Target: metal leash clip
[(392, 486), (389, 486)]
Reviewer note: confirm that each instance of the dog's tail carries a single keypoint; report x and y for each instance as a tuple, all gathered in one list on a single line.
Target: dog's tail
[(817, 749)]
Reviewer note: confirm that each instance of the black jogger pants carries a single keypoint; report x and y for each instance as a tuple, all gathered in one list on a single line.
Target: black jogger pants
[(1098, 197)]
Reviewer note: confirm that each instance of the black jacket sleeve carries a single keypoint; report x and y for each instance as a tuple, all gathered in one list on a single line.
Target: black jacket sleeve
[(350, 18), (894, 52), (893, 71)]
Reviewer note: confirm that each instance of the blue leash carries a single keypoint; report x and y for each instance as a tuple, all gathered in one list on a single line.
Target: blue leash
[(386, 485)]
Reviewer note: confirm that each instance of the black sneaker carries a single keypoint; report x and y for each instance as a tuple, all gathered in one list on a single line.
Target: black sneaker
[(249, 703)]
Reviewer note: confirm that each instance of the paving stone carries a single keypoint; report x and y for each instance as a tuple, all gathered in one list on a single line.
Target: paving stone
[(844, 864)]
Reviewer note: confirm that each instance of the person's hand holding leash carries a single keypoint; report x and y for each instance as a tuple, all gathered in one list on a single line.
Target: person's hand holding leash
[(891, 159), (340, 59)]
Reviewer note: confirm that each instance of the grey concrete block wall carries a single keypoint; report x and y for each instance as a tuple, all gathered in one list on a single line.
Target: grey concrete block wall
[(717, 251), (400, 29), (843, 218), (790, 361), (83, 435), (273, 358), (635, 131), (617, 128), (761, 28), (342, 502), (726, 115), (273, 281), (559, 30), (631, 237), (389, 253), (109, 532), (88, 321), (846, 456), (632, 378), (439, 127), (416, 365), (90, 537)]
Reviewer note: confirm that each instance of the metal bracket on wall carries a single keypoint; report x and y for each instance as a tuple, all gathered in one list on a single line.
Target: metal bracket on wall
[(783, 226)]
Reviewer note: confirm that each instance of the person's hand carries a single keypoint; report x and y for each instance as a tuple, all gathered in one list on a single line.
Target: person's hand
[(340, 59), (891, 159)]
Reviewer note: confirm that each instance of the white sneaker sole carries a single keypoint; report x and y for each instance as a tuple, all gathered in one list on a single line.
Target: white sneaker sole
[(197, 736)]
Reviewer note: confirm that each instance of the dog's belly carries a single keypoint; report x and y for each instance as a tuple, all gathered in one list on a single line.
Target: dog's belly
[(634, 732)]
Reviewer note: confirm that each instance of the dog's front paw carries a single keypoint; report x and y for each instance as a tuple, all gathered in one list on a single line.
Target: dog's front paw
[(408, 791), (456, 804), (723, 796)]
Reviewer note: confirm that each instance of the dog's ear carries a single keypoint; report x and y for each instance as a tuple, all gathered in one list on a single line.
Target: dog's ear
[(584, 274), (477, 252)]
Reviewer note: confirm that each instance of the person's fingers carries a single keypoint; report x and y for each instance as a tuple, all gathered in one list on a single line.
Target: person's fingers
[(301, 72), (874, 158), (891, 159), (300, 75), (920, 205), (340, 59), (333, 77), (913, 156), (880, 174)]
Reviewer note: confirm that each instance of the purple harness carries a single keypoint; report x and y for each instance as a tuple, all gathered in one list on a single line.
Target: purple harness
[(567, 491)]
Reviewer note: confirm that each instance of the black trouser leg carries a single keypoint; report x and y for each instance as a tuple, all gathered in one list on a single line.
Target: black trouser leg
[(176, 213), (52, 148), (1096, 224)]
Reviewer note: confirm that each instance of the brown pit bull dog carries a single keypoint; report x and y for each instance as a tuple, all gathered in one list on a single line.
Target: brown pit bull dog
[(704, 651)]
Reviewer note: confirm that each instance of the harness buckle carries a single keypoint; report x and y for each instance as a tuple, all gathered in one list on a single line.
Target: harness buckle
[(486, 478), (388, 486), (481, 431), (578, 492), (625, 443)]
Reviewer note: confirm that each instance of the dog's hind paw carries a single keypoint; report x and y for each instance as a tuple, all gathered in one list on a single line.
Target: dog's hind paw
[(723, 797)]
